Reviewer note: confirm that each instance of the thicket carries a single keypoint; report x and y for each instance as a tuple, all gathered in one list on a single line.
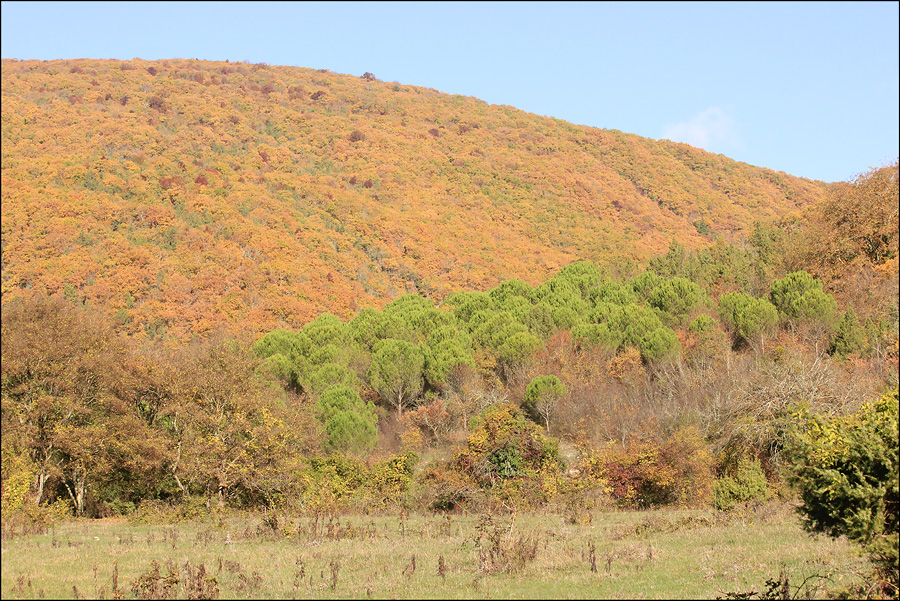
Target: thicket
[(677, 386)]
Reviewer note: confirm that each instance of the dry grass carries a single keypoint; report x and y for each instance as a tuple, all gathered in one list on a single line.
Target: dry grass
[(658, 554)]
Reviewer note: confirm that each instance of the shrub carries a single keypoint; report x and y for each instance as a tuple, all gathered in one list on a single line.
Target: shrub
[(500, 549), (645, 283), (396, 372), (630, 325), (588, 335), (339, 482), (328, 375), (673, 471), (659, 344), (20, 514), (158, 104), (509, 288), (389, 480), (433, 417), (612, 292), (849, 337), (447, 489), (846, 470), (676, 296), (799, 296), (745, 482), (510, 456), (446, 349)]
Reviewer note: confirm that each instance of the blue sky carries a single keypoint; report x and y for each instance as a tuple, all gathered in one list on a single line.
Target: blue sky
[(809, 88)]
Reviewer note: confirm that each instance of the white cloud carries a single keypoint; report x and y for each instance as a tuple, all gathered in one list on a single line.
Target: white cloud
[(712, 129)]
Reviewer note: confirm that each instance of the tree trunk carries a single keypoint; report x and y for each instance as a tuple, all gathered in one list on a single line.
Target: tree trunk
[(221, 492), (41, 480), (77, 495), (175, 469), (44, 475)]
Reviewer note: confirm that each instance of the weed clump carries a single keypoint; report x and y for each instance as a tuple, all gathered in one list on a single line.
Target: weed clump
[(195, 584), (500, 550)]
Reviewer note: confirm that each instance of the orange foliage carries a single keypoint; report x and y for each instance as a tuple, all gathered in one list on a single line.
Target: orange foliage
[(255, 196)]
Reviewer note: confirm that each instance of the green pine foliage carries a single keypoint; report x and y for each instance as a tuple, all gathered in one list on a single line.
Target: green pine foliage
[(849, 337), (541, 396), (349, 422), (747, 317), (397, 371), (799, 296), (846, 470)]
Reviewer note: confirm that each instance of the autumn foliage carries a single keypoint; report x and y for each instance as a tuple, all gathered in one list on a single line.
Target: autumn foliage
[(243, 285), (184, 196)]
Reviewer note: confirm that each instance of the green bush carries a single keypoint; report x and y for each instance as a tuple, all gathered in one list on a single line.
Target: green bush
[(702, 324), (328, 375), (677, 297), (588, 335), (799, 296), (541, 396), (584, 275), (849, 337), (503, 291), (658, 344), (559, 292), (349, 421), (632, 325), (645, 283), (747, 317), (746, 482), (446, 348), (612, 292), (846, 470)]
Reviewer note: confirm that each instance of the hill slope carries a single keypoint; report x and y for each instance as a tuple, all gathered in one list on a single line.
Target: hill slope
[(184, 195)]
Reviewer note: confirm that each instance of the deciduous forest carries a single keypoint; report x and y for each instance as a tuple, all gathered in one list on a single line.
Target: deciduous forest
[(242, 286)]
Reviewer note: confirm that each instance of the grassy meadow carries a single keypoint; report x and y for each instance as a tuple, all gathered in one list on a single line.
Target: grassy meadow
[(661, 554)]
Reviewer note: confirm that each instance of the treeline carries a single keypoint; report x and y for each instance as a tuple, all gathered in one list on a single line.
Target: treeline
[(662, 388), (674, 385)]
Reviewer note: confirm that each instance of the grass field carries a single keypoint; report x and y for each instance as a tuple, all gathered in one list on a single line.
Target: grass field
[(652, 554)]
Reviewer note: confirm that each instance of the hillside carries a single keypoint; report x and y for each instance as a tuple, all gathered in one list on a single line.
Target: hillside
[(186, 195)]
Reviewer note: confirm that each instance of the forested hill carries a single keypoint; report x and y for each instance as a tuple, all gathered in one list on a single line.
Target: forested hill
[(183, 195)]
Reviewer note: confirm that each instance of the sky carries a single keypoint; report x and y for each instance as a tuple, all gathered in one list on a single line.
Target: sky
[(808, 88)]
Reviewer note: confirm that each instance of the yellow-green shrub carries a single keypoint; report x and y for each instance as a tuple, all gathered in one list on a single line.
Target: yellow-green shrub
[(745, 482), (18, 511), (511, 457), (340, 482)]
